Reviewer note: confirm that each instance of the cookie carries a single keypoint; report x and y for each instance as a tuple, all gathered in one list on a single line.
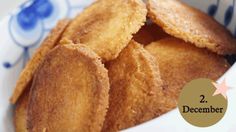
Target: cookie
[(136, 89), (28, 72), (181, 62), (69, 92), (107, 26), (191, 25)]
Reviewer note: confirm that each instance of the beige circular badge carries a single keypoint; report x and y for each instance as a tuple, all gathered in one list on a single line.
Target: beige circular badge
[(199, 105)]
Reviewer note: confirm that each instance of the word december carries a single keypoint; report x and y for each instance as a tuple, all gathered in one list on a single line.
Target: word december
[(187, 109)]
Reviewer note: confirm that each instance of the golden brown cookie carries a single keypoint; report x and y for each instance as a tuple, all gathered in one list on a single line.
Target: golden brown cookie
[(136, 89), (20, 115), (181, 62), (28, 72), (148, 33), (191, 25), (69, 92), (107, 26)]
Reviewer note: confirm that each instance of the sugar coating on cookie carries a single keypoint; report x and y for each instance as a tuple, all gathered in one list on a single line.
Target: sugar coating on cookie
[(181, 62), (136, 89), (27, 74), (107, 26), (20, 114), (69, 91), (190, 24)]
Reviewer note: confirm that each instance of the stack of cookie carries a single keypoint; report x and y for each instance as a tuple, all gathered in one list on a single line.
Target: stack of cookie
[(118, 64)]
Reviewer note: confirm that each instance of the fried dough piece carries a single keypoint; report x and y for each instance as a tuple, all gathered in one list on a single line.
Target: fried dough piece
[(191, 25), (69, 92), (136, 89), (28, 72), (148, 33), (20, 114), (107, 26), (181, 62)]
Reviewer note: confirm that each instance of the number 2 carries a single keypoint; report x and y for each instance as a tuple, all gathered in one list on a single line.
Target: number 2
[(202, 100)]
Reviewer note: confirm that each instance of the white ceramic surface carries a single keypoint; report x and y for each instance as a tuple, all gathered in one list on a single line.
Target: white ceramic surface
[(21, 33), (7, 6)]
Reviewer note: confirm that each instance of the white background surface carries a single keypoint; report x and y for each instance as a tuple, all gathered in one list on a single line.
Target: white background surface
[(6, 6)]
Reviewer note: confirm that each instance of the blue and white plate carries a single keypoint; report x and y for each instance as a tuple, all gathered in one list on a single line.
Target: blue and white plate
[(24, 29)]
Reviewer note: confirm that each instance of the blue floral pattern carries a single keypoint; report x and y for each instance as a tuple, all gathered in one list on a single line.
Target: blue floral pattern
[(23, 30), (34, 16), (29, 24), (229, 13), (212, 9), (28, 17)]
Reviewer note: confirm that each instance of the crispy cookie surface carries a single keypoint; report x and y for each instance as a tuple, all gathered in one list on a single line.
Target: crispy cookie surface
[(107, 26), (136, 89), (69, 92), (191, 25), (20, 115), (27, 74), (181, 62)]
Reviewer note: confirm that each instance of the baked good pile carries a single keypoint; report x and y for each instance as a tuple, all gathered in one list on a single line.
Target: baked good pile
[(118, 64)]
